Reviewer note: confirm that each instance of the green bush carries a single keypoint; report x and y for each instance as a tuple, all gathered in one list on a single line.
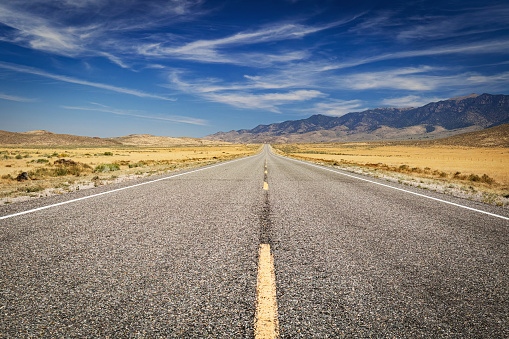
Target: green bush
[(108, 153), (138, 164), (106, 168), (32, 189), (474, 177)]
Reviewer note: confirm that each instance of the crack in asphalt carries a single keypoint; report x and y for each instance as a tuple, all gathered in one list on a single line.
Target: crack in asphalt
[(265, 222)]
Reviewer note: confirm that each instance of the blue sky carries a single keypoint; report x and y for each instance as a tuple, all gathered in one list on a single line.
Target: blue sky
[(194, 67)]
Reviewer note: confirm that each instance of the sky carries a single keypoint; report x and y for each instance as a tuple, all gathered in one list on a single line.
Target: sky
[(193, 67)]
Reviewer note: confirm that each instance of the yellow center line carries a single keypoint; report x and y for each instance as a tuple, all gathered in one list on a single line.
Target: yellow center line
[(266, 322), (265, 186)]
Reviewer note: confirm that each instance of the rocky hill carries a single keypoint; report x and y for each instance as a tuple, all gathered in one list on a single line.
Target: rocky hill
[(45, 138), (434, 120), (491, 137), (152, 140)]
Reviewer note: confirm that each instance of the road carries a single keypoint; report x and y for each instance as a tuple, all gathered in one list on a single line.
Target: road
[(179, 256)]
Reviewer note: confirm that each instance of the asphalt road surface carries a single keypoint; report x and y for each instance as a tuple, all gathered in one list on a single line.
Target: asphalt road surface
[(178, 257)]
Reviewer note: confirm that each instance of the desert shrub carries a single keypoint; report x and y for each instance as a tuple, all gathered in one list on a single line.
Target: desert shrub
[(138, 164), (19, 156), (474, 177), (63, 155), (106, 168), (459, 176), (7, 176), (443, 174), (42, 160), (404, 168), (60, 170), (31, 189), (486, 179), (108, 153)]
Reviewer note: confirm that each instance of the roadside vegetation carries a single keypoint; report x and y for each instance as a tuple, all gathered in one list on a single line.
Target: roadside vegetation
[(477, 173), (29, 172)]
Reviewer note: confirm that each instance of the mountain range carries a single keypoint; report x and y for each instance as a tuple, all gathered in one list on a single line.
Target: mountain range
[(434, 120)]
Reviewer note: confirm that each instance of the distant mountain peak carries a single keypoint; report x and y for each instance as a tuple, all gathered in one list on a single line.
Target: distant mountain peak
[(473, 95)]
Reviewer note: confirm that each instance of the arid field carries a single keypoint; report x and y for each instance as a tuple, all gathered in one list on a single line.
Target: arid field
[(56, 170), (473, 169)]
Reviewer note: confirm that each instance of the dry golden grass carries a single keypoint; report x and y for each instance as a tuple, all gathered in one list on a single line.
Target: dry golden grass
[(41, 163), (448, 163)]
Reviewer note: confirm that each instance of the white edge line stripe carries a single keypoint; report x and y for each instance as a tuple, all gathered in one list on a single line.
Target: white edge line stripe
[(396, 188), (120, 189)]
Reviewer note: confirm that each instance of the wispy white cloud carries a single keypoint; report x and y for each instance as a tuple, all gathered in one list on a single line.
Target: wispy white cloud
[(34, 71), (15, 98), (487, 79), (486, 47), (336, 107), (423, 78), (39, 33), (467, 22), (115, 59), (274, 33), (213, 50), (268, 101), (65, 27), (168, 118), (209, 85), (238, 95), (408, 78), (450, 24)]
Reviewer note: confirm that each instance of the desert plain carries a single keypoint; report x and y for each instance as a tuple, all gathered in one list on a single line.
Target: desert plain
[(57, 170), (478, 173)]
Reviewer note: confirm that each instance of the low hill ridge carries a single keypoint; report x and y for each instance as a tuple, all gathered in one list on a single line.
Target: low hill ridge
[(45, 138), (38, 132), (152, 140)]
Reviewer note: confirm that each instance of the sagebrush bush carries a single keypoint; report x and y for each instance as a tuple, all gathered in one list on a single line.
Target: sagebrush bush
[(138, 164), (59, 171), (106, 168), (31, 189)]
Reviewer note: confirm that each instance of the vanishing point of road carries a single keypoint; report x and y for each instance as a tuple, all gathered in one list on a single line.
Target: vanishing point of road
[(262, 246)]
